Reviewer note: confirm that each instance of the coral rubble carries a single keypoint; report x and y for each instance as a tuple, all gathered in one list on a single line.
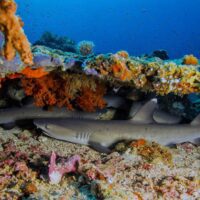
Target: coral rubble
[(15, 39), (26, 160)]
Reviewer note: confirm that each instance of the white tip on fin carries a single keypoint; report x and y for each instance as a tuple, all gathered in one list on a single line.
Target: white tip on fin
[(162, 117), (196, 121), (145, 113)]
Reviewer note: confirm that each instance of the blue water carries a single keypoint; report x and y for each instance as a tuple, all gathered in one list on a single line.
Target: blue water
[(138, 26)]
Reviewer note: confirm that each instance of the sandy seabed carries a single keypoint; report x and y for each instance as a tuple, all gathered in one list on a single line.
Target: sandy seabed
[(135, 170)]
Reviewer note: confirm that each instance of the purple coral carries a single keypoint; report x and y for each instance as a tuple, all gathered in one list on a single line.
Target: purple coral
[(85, 48), (12, 66), (1, 39), (42, 60)]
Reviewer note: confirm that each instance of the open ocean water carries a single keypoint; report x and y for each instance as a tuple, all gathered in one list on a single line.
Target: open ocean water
[(138, 26)]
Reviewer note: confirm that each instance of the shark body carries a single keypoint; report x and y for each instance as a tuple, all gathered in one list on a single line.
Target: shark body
[(102, 134), (147, 122)]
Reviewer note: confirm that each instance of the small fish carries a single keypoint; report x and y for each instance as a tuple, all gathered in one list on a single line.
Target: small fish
[(101, 135)]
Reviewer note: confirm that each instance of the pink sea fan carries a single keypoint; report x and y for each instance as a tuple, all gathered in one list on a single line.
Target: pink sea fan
[(56, 172)]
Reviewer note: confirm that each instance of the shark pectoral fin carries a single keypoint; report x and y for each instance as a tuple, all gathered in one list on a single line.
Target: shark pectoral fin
[(162, 117), (196, 121), (145, 113), (99, 147)]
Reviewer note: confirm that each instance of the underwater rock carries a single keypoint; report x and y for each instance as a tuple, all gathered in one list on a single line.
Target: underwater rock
[(162, 54), (56, 42)]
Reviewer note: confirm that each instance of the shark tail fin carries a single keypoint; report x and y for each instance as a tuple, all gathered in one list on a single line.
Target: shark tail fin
[(196, 121), (145, 113)]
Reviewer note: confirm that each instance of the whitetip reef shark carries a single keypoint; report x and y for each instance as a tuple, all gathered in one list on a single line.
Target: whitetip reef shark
[(100, 134), (13, 114)]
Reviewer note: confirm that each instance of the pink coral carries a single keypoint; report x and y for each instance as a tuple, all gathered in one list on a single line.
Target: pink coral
[(56, 172)]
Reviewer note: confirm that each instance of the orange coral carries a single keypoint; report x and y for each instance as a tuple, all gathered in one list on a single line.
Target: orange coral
[(90, 100), (190, 60), (15, 39), (120, 71), (34, 73), (63, 90), (123, 54), (44, 90), (138, 143)]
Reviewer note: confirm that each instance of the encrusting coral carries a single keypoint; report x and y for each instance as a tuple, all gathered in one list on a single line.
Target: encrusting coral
[(161, 78), (15, 39), (58, 89)]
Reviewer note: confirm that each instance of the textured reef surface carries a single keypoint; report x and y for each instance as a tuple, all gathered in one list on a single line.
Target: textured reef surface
[(57, 78), (133, 170)]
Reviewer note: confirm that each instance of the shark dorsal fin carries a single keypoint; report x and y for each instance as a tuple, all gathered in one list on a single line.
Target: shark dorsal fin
[(196, 121), (145, 113), (162, 117)]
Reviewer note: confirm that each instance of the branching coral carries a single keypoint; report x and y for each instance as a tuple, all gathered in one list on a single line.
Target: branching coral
[(67, 90), (15, 39)]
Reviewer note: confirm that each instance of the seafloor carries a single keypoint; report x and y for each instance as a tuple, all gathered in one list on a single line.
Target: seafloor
[(135, 170)]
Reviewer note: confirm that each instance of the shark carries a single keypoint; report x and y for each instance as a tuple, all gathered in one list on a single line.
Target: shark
[(30, 111), (101, 134)]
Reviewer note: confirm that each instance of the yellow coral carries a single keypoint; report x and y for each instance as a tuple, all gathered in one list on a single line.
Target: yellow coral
[(15, 39)]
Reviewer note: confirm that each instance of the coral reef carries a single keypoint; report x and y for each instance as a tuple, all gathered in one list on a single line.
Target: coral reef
[(68, 90), (162, 78), (26, 158), (144, 74), (85, 48), (15, 39), (190, 60), (56, 42), (34, 73)]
